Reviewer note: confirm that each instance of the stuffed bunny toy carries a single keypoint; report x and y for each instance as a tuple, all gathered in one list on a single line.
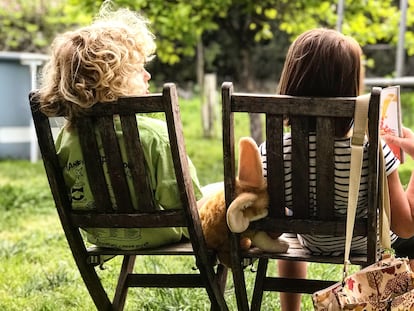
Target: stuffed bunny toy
[(250, 204)]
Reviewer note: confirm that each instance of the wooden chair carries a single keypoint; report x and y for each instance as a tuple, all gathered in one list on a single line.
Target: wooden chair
[(299, 110), (100, 118)]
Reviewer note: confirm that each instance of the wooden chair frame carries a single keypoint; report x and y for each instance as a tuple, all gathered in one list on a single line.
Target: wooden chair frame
[(299, 110), (210, 275)]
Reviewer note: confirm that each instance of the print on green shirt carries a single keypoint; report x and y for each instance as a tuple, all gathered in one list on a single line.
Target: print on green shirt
[(154, 137)]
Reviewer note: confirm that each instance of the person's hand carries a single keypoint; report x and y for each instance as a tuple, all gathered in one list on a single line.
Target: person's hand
[(406, 142)]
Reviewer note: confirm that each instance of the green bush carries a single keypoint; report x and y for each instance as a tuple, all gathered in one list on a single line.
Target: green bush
[(407, 107)]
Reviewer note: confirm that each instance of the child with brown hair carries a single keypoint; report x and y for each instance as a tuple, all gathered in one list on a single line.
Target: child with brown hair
[(325, 63)]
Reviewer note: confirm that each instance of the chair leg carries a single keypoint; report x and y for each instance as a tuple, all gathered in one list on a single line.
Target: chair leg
[(220, 280), (238, 276), (88, 272), (258, 284), (122, 286), (222, 272), (213, 286), (95, 288)]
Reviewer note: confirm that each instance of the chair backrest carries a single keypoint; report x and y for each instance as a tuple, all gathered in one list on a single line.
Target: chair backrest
[(115, 206), (301, 111), (120, 184)]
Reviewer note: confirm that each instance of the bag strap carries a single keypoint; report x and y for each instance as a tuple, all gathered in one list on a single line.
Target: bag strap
[(357, 150), (360, 124)]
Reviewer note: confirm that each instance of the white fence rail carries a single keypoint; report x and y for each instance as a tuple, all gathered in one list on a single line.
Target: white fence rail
[(403, 81)]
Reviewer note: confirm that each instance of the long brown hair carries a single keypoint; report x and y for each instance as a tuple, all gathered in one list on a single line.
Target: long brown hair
[(323, 63)]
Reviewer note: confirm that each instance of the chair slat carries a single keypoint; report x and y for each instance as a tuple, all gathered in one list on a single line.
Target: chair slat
[(166, 218), (115, 164), (289, 105), (300, 166), (325, 168), (309, 226), (137, 164), (275, 166), (93, 164)]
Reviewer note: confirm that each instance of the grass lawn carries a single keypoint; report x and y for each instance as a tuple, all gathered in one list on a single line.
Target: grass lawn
[(37, 271)]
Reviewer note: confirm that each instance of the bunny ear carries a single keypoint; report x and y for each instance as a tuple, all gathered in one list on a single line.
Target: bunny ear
[(250, 163), (237, 221)]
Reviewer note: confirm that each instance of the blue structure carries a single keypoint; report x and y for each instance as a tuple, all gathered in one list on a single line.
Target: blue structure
[(18, 75)]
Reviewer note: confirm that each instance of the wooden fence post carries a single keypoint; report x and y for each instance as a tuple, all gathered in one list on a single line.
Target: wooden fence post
[(209, 104)]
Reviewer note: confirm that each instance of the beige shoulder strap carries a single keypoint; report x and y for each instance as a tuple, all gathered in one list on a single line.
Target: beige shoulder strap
[(357, 150)]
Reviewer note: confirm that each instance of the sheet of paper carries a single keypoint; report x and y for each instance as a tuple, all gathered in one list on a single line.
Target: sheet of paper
[(390, 116)]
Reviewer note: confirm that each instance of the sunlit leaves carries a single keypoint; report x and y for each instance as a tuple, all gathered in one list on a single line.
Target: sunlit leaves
[(368, 21), (377, 21), (178, 25), (30, 26)]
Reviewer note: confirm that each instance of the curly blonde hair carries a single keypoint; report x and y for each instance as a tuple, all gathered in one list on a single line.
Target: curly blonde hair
[(97, 63)]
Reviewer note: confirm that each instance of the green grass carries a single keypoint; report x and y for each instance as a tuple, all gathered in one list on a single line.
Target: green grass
[(37, 271)]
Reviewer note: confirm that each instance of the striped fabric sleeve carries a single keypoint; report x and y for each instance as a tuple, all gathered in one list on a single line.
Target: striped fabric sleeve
[(391, 161)]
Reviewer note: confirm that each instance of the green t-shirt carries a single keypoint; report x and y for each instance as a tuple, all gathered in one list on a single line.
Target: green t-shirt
[(154, 137)]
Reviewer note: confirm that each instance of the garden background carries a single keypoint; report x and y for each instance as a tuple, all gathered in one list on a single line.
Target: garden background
[(239, 40)]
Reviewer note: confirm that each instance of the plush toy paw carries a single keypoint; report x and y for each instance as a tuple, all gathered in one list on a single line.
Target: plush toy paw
[(263, 241), (245, 243)]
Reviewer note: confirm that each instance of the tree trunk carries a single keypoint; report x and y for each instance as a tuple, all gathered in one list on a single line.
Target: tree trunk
[(200, 65), (256, 127), (247, 83), (209, 104)]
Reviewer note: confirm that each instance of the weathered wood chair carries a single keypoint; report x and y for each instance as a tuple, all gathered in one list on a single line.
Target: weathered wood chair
[(100, 118), (299, 110)]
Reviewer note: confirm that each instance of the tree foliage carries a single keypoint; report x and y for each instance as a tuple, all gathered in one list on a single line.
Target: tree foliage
[(178, 24), (244, 25), (368, 21), (29, 26)]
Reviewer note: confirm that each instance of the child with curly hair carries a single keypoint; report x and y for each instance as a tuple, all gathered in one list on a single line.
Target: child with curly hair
[(97, 64)]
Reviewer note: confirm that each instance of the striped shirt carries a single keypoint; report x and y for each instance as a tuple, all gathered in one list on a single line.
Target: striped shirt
[(323, 244)]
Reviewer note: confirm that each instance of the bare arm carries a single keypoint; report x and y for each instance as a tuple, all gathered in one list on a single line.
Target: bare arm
[(402, 206), (402, 203)]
